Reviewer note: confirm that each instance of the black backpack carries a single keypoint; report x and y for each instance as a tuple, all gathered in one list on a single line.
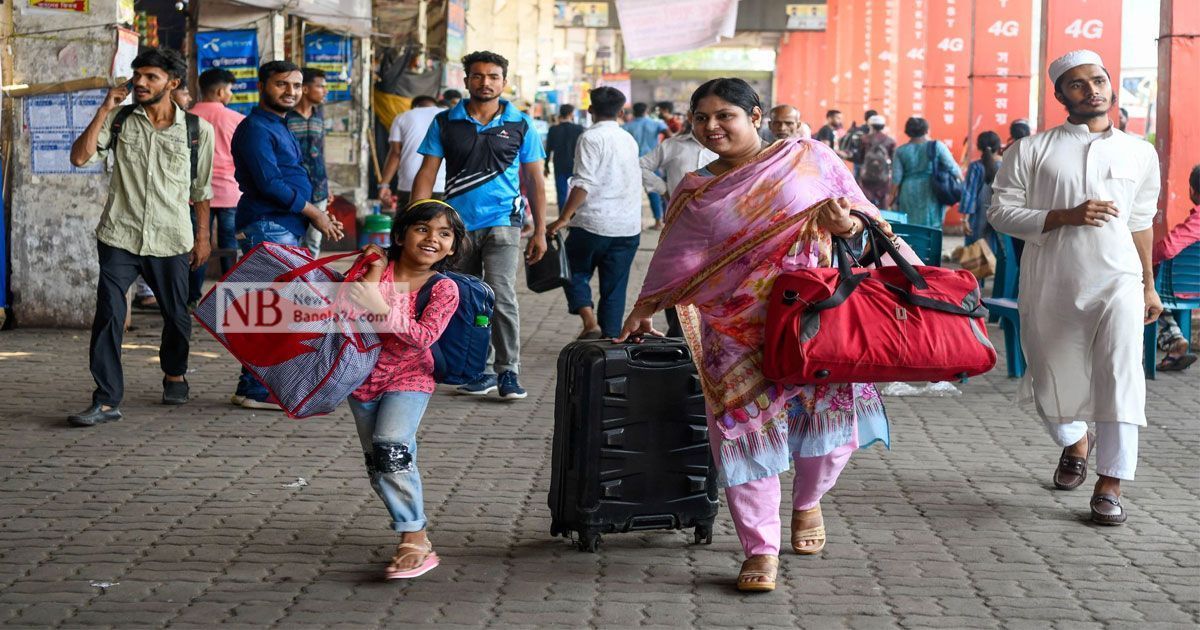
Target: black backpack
[(852, 141), (877, 165), (947, 186), (193, 134)]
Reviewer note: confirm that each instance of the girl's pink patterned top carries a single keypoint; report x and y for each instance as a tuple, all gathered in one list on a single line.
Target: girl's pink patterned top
[(405, 361)]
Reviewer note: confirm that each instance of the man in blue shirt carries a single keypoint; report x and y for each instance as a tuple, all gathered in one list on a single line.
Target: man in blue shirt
[(275, 206), (645, 130), (488, 145)]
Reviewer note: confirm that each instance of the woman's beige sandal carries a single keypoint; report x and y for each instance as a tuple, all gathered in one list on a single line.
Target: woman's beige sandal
[(804, 530), (758, 567)]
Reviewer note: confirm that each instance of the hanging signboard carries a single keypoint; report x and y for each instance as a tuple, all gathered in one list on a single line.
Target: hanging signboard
[(694, 24), (1073, 24), (580, 14), (456, 29), (334, 54), (76, 6), (126, 52), (805, 17), (237, 52), (1001, 66)]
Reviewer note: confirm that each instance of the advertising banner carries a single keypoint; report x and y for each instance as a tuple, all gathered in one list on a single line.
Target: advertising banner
[(1001, 66), (805, 17), (948, 66), (456, 29), (911, 26), (53, 122), (237, 52), (842, 15), (947, 63), (1070, 25), (883, 65), (860, 60), (693, 24), (802, 77), (334, 54), (76, 6)]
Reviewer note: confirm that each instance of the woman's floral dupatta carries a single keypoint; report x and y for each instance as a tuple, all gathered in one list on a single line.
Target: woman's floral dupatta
[(726, 240)]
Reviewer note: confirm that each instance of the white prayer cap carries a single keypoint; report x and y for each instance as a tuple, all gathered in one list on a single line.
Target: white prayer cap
[(876, 120), (1073, 59)]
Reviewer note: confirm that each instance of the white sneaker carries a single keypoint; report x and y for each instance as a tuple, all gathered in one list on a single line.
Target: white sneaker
[(250, 403)]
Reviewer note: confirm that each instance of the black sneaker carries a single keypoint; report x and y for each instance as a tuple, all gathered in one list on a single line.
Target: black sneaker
[(174, 392), (96, 414)]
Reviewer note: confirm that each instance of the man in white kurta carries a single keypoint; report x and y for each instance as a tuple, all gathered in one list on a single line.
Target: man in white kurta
[(1083, 196)]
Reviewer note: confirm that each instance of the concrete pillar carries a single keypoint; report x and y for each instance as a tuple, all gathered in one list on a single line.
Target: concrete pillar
[(54, 217), (1178, 131)]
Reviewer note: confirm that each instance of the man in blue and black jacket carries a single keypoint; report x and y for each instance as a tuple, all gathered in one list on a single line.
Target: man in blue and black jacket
[(488, 146)]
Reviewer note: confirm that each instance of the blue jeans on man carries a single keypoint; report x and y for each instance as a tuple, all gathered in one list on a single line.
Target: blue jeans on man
[(562, 183), (250, 392), (226, 239), (656, 206), (613, 257)]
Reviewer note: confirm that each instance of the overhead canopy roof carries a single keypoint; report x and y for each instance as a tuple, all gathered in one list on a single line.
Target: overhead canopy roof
[(348, 16)]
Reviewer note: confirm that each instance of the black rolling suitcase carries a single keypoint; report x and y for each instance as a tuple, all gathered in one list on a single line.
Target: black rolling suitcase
[(630, 442)]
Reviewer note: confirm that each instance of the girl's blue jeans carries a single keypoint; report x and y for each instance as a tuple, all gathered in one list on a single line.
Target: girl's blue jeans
[(387, 429)]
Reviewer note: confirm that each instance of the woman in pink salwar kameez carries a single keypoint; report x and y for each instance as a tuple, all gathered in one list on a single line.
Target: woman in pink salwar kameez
[(731, 229)]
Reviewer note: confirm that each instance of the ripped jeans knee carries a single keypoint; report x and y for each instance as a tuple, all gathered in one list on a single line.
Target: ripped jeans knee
[(392, 457)]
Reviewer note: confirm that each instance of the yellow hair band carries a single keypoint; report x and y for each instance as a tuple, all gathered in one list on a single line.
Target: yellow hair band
[(421, 201)]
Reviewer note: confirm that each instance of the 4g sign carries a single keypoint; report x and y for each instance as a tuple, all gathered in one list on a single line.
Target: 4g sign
[(1070, 25), (1005, 28), (1086, 29)]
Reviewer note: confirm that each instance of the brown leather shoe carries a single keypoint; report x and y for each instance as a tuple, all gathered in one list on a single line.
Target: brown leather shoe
[(1107, 510), (1072, 471)]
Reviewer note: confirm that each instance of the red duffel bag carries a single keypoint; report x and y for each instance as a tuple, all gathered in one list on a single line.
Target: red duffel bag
[(859, 325)]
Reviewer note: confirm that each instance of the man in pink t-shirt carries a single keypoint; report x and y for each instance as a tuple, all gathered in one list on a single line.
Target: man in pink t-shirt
[(216, 91)]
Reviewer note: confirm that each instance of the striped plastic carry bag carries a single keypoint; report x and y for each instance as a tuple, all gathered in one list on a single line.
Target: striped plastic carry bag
[(282, 314)]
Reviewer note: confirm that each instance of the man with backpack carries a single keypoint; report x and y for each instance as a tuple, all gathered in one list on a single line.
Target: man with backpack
[(875, 153), (488, 146), (163, 160), (850, 146)]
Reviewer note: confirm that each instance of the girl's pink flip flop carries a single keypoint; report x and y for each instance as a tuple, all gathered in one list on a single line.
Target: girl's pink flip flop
[(429, 564)]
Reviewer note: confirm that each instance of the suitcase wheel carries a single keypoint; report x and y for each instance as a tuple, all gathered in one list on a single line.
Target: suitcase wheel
[(589, 540), (704, 534)]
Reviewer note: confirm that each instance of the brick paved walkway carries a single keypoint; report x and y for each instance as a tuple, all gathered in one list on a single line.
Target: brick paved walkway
[(195, 516)]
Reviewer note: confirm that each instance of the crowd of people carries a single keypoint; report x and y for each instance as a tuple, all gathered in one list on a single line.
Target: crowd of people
[(469, 175)]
